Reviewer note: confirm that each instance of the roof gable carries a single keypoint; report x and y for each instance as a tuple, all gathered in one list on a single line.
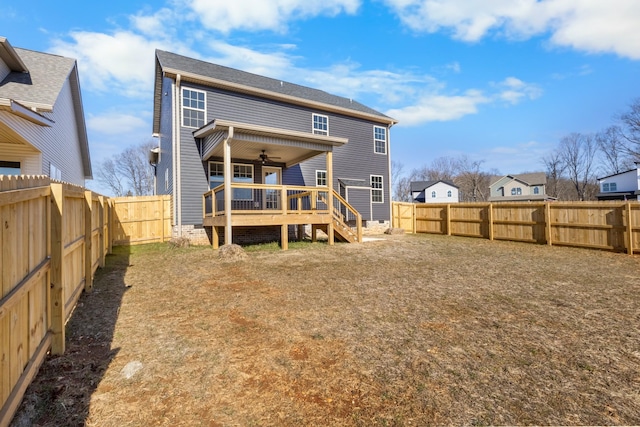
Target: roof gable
[(40, 86), (530, 179), (214, 75), (419, 186)]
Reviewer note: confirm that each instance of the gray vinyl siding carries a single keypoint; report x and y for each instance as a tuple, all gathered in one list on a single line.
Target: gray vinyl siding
[(355, 160), (360, 199), (166, 147), (59, 143)]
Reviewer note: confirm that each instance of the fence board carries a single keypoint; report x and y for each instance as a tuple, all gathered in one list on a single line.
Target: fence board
[(613, 226)]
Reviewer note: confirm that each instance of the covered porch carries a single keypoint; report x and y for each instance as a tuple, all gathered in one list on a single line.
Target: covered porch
[(265, 201)]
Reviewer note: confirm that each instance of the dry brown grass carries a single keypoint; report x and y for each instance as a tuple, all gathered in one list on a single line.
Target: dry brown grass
[(409, 330)]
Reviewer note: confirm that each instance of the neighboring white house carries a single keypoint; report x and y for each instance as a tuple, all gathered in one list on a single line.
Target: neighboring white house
[(440, 191), (621, 186), (42, 126)]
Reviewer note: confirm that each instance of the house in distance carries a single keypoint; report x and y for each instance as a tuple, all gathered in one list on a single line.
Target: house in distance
[(621, 186), (277, 155), (439, 191), (526, 187)]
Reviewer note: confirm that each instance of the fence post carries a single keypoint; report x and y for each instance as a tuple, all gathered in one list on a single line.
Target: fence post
[(88, 231), (111, 228), (162, 219), (547, 223), (414, 218), (629, 229), (448, 219), (57, 258), (490, 219), (101, 233)]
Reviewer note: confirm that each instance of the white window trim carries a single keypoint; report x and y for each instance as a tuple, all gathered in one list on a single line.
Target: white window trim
[(313, 122), (325, 177), (386, 135), (182, 107), (253, 175), (381, 189), (166, 179)]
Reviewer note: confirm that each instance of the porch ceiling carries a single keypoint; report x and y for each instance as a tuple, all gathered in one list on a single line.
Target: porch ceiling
[(247, 142)]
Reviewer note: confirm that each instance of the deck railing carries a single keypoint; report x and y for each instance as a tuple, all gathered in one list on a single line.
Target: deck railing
[(266, 199)]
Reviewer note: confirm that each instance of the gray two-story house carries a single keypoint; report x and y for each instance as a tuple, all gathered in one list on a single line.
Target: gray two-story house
[(247, 157)]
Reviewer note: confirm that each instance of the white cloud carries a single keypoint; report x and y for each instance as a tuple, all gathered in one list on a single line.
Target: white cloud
[(121, 62), (272, 15), (435, 106), (593, 26), (442, 108), (514, 90), (115, 123)]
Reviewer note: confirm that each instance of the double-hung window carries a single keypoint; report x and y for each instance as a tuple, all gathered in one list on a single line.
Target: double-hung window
[(377, 191), (612, 186), (320, 124), (516, 191), (193, 108), (380, 140), (241, 173), (321, 178)]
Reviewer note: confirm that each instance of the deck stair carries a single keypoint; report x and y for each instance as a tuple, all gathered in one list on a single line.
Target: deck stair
[(344, 215)]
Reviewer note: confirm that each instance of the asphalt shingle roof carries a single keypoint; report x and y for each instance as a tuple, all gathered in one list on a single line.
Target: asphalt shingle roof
[(177, 62), (42, 84)]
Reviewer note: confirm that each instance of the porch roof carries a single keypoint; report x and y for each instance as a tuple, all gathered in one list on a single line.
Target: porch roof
[(248, 141)]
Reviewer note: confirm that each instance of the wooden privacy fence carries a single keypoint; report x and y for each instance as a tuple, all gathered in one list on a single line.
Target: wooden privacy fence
[(140, 220), (53, 237), (613, 226)]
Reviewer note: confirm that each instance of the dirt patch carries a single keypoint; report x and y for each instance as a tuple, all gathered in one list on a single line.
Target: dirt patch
[(407, 330)]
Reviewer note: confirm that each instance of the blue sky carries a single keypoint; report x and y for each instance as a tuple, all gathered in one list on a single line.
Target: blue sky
[(498, 80)]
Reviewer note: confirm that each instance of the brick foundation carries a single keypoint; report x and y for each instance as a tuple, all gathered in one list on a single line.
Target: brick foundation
[(199, 235)]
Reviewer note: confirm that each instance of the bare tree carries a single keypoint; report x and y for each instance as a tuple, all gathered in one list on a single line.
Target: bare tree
[(473, 183), (630, 128), (129, 172), (554, 169), (441, 168), (578, 153), (401, 184), (615, 153)]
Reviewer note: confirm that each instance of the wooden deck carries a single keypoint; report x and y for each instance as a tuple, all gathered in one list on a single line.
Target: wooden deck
[(279, 205)]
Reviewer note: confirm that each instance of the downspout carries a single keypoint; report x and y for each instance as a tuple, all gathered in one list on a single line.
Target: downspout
[(390, 193), (177, 181), (228, 192)]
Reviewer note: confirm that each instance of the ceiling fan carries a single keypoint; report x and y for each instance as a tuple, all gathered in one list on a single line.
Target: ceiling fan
[(265, 159)]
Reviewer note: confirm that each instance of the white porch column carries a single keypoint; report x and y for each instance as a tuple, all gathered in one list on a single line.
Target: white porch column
[(228, 192), (330, 231)]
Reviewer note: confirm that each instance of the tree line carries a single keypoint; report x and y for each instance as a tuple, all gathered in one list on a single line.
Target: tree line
[(572, 167)]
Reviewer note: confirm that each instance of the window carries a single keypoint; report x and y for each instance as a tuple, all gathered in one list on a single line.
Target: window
[(216, 174), (536, 190), (517, 191), (433, 194), (9, 168), (241, 173), (380, 140), (449, 193), (377, 193), (54, 172), (609, 186), (321, 178), (320, 124), (193, 108)]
